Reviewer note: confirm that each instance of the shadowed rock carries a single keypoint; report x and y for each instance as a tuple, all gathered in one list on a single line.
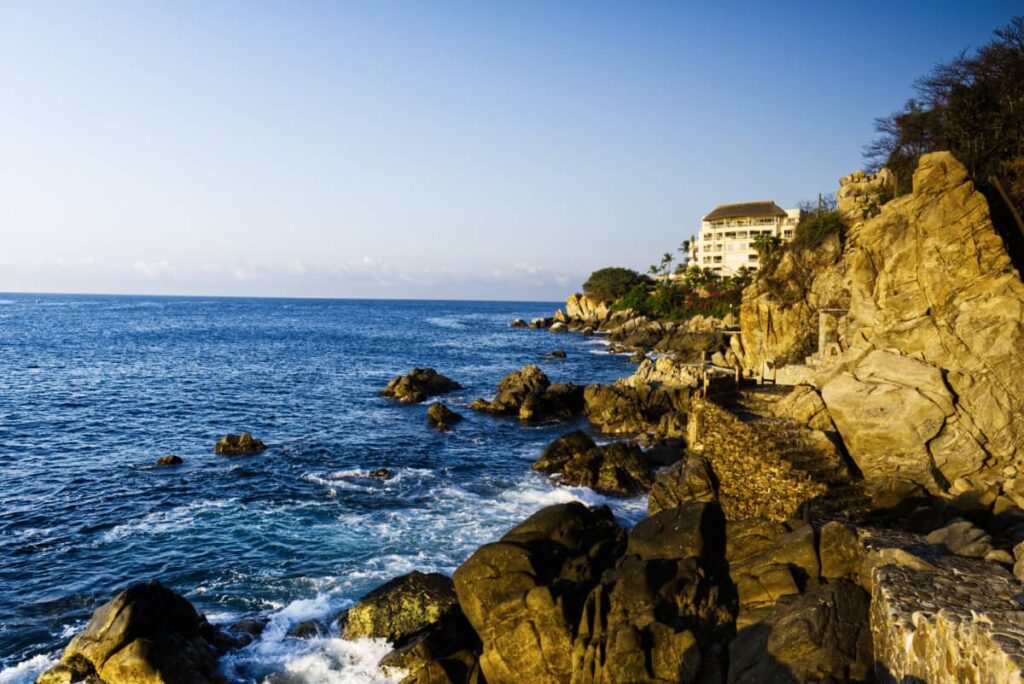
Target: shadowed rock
[(442, 417), (238, 445), (417, 385)]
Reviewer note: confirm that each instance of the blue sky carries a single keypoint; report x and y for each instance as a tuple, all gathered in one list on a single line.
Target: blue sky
[(413, 149)]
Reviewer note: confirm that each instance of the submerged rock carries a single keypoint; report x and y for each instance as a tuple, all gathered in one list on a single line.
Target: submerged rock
[(417, 385), (557, 354), (169, 460), (308, 629), (238, 445), (147, 633), (442, 417), (381, 473)]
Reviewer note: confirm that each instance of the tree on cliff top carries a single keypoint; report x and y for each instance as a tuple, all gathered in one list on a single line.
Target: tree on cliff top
[(608, 284), (972, 106)]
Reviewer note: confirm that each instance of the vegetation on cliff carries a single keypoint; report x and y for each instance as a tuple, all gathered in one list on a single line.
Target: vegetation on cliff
[(970, 106)]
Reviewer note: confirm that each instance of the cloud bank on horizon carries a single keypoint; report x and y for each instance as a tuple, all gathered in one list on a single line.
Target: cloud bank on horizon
[(455, 150)]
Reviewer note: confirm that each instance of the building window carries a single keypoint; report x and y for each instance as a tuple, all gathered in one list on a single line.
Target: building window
[(752, 257)]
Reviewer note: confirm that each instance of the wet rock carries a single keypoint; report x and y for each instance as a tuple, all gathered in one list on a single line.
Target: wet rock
[(524, 595), (308, 629), (442, 417), (147, 633), (401, 607), (238, 445), (558, 327), (517, 323), (587, 332), (381, 473), (248, 630), (538, 323), (616, 469), (417, 385), (557, 354), (638, 357), (529, 394), (169, 460)]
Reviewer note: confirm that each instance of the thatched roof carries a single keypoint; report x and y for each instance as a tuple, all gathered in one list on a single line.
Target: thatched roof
[(746, 210)]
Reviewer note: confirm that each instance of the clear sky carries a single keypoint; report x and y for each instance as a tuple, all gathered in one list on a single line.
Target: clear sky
[(476, 150)]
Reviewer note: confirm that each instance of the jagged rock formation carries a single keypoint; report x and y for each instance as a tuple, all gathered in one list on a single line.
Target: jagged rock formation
[(862, 195), (584, 309), (418, 384), (616, 469), (926, 387), (147, 633), (530, 395), (621, 408)]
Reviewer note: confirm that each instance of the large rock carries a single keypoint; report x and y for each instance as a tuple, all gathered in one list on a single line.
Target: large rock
[(147, 634), (584, 309), (524, 595), (530, 395), (689, 481), (442, 417), (616, 469), (399, 608), (238, 445), (622, 408), (418, 384), (657, 616)]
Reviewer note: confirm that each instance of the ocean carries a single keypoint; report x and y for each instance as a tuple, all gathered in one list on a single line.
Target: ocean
[(93, 389)]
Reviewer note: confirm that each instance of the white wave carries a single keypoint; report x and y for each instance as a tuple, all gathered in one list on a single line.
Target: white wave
[(7, 302), (449, 322), (322, 660), (26, 671), (162, 522)]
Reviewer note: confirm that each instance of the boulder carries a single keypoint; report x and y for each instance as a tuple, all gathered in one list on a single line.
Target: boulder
[(538, 323), (381, 473), (616, 469), (308, 629), (823, 635), (557, 354), (530, 395), (524, 594), (562, 450), (687, 482), (558, 327), (146, 634), (580, 307), (238, 445), (622, 408), (402, 607), (517, 323), (963, 538), (442, 417), (417, 385), (169, 460)]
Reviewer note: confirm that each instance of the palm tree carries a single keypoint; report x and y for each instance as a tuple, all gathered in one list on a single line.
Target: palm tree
[(767, 246)]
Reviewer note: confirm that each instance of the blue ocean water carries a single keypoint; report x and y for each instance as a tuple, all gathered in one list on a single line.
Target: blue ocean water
[(94, 388)]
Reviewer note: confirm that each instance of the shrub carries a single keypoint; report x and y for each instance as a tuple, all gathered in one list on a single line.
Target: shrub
[(609, 284), (816, 227)]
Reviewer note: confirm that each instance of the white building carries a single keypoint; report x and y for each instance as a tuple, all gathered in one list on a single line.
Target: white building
[(727, 234)]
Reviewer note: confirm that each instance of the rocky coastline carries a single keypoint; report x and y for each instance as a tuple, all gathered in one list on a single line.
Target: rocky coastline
[(835, 483)]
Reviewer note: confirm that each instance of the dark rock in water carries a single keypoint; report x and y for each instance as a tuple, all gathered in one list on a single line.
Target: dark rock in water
[(557, 354), (248, 630), (402, 607), (524, 595), (442, 417), (382, 473), (562, 450), (238, 445), (529, 394), (638, 357), (417, 385), (541, 322), (587, 332), (821, 636), (147, 633), (169, 460), (517, 323), (308, 629)]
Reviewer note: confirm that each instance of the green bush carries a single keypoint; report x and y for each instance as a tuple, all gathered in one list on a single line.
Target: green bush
[(609, 284), (816, 227)]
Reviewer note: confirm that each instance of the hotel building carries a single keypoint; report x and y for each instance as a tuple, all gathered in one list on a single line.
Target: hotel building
[(727, 234)]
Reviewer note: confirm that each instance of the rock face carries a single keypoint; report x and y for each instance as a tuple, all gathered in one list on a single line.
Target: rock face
[(622, 408), (531, 396), (524, 595), (615, 469), (238, 445), (579, 307), (930, 280), (417, 385), (862, 195), (442, 417), (147, 634)]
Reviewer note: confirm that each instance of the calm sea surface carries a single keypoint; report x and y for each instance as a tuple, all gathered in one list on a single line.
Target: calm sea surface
[(94, 389)]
